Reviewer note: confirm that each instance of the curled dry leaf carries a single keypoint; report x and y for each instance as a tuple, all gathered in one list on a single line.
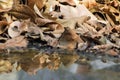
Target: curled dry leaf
[(32, 29), (50, 26), (14, 29), (42, 22), (3, 26)]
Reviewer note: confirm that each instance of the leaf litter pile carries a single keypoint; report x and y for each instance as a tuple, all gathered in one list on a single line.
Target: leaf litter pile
[(62, 29)]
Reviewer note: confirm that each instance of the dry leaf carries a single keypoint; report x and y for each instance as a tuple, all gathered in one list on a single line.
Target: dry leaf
[(19, 41), (112, 52), (5, 5), (69, 39), (72, 22), (3, 26), (23, 12), (42, 22), (70, 12), (89, 3), (38, 3), (69, 2)]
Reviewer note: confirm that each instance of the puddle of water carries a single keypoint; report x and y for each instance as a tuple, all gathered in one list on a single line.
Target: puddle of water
[(94, 70), (72, 72)]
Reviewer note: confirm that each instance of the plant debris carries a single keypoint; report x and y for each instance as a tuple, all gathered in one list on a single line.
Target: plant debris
[(89, 26)]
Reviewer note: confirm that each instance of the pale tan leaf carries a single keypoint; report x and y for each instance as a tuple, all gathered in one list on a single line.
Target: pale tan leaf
[(5, 5), (72, 22), (70, 12)]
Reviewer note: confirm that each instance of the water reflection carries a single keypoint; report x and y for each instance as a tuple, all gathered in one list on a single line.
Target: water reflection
[(73, 72)]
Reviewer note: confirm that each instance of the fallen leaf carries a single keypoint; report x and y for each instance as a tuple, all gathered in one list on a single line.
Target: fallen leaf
[(3, 26), (69, 2), (23, 12), (19, 41), (72, 22), (38, 3), (5, 5), (89, 3), (112, 52), (69, 12), (69, 39)]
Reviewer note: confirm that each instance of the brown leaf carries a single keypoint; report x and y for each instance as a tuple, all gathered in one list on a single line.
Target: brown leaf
[(70, 2), (19, 41), (112, 52), (42, 22), (3, 26), (39, 3), (69, 39), (23, 12), (89, 3)]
